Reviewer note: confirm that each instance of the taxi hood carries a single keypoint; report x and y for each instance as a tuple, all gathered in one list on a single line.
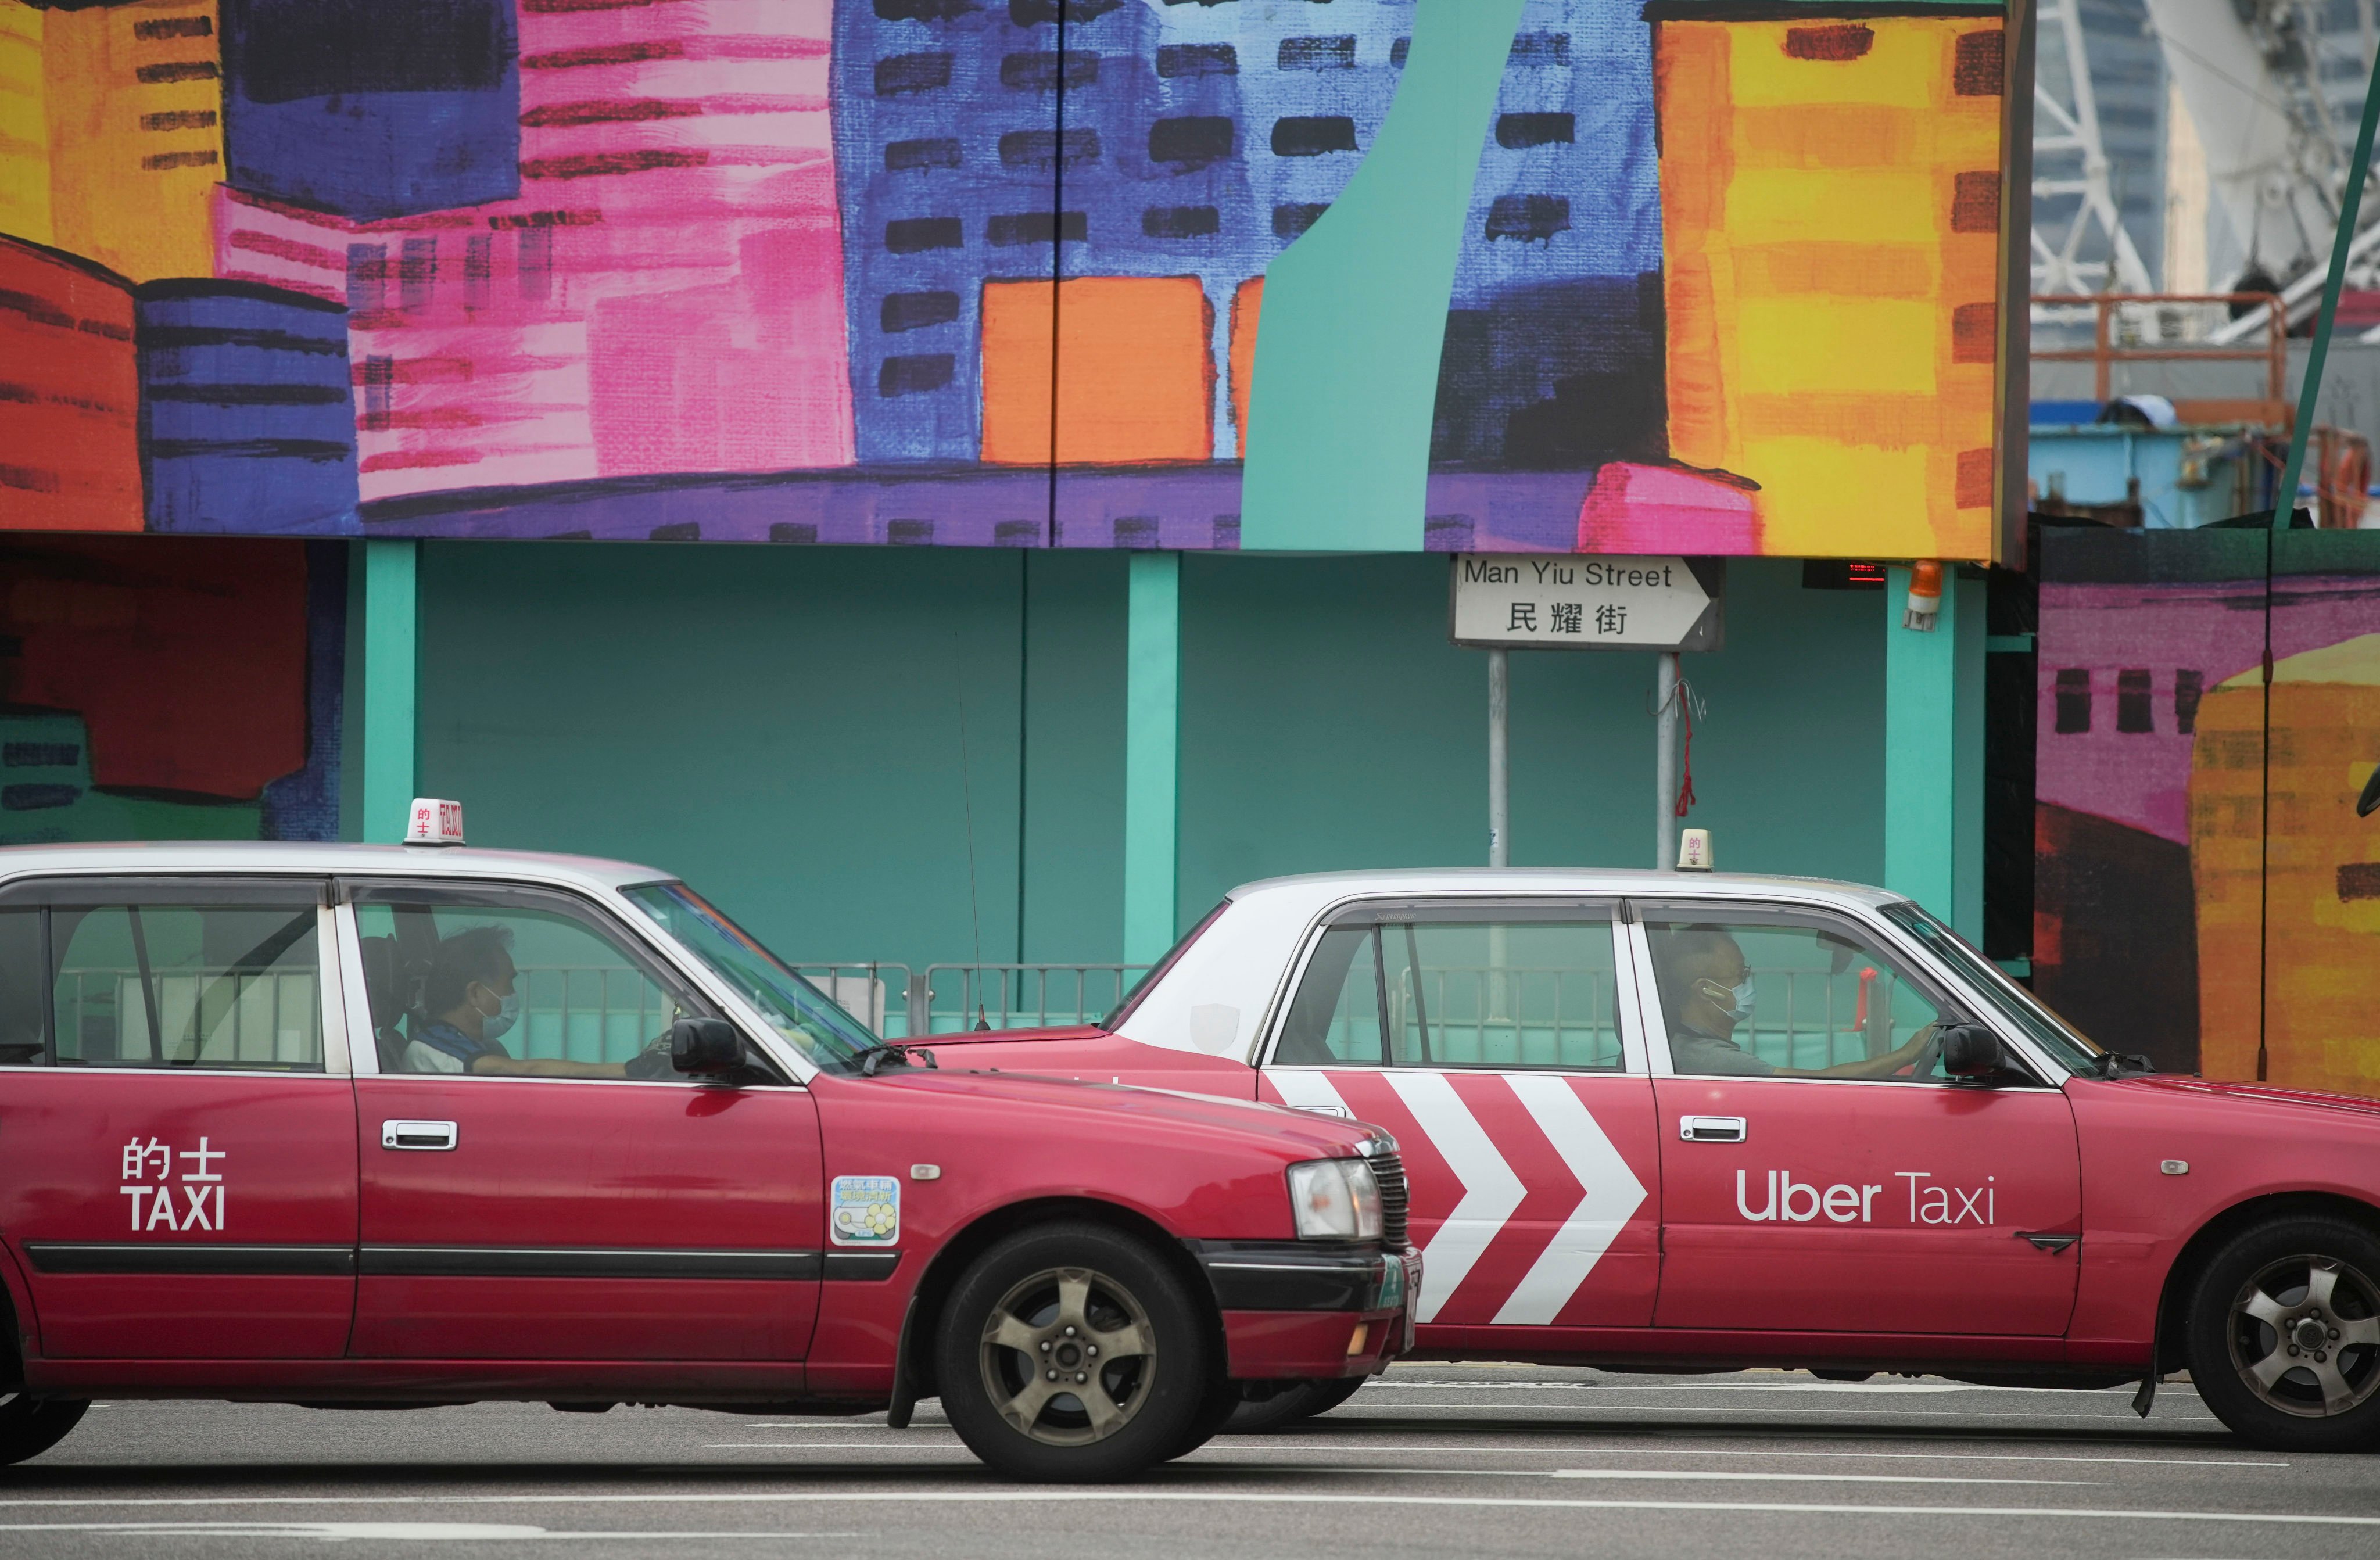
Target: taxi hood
[(1293, 1134), (2257, 1094)]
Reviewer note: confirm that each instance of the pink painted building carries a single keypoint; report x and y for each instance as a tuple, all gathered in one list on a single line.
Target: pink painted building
[(664, 295)]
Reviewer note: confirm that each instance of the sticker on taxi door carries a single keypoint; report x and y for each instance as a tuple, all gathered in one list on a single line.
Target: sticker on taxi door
[(865, 1211)]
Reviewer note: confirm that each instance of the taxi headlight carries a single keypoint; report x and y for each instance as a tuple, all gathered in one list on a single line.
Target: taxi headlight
[(1335, 1200)]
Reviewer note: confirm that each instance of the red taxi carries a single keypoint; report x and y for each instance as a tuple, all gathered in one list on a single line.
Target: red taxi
[(1695, 1121), (377, 1126)]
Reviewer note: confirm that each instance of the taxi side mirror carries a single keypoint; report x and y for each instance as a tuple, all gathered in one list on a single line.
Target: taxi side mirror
[(1968, 1050), (705, 1046)]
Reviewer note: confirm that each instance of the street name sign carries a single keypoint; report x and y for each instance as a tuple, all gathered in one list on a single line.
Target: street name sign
[(1576, 601)]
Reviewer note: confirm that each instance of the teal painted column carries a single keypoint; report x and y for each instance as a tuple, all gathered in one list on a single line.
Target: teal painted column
[(1355, 311), (392, 655), (1152, 753), (1933, 753)]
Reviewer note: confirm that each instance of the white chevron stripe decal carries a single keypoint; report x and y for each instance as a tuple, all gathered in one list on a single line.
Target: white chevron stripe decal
[(1490, 1189), (1307, 1091), (1613, 1195)]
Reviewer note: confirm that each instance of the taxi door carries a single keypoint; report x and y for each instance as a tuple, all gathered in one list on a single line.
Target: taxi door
[(578, 1214), (177, 1132), (1488, 1036), (1898, 1201)]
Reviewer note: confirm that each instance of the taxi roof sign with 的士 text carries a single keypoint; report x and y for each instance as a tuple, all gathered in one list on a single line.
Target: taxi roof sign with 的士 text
[(1574, 601)]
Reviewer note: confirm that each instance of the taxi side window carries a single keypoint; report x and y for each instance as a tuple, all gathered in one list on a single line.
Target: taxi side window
[(1458, 989), (1752, 992), (153, 982), (452, 978)]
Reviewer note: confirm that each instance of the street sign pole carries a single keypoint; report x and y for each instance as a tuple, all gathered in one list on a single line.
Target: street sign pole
[(1503, 601), (1499, 792), (1665, 695)]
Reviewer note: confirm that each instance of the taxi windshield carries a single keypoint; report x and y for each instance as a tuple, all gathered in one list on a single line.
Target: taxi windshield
[(806, 1016), (2067, 1046)]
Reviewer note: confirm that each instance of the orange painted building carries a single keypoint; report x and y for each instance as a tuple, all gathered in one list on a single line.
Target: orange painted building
[(2316, 909)]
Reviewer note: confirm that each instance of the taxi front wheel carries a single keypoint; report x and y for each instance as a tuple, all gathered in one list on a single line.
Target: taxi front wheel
[(30, 1426), (1072, 1351), (2285, 1336)]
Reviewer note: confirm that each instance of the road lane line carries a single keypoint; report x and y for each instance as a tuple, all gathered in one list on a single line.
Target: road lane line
[(1045, 1495)]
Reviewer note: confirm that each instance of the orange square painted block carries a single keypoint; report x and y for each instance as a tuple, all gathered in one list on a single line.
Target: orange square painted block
[(1135, 373)]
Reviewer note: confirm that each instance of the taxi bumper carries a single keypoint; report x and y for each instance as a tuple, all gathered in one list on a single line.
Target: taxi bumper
[(1292, 1310)]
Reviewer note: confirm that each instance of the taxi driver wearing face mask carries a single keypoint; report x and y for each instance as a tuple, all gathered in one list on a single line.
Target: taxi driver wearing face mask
[(1708, 990), (473, 998)]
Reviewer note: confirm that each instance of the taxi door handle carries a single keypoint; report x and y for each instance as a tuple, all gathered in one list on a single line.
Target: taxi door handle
[(1711, 1129), (418, 1134)]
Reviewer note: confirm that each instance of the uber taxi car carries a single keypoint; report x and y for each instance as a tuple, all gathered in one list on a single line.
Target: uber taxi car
[(376, 1126), (1704, 1122)]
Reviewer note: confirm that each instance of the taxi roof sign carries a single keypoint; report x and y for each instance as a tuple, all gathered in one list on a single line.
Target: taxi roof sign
[(433, 821)]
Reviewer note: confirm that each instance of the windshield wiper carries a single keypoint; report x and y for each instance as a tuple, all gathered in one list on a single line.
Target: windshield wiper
[(2116, 1064), (870, 1058)]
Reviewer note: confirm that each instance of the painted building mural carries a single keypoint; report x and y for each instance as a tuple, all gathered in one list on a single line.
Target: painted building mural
[(985, 272), (2205, 892)]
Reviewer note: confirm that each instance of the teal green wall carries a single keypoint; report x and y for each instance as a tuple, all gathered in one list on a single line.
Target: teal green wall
[(781, 725), (1327, 723)]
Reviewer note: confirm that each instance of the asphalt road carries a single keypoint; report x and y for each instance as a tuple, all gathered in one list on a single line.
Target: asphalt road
[(1431, 1461)]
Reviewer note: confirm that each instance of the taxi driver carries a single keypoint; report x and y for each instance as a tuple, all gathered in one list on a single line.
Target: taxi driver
[(471, 999), (1706, 988)]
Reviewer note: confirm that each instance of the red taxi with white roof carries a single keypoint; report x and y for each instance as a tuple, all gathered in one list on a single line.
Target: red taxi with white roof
[(1696, 1121), (375, 1126)]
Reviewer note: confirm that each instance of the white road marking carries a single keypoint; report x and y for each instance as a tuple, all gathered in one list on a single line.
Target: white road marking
[(1490, 1189), (1274, 1444), (2113, 1415), (1723, 1476), (843, 1446), (433, 1532), (1046, 1496), (1610, 1196)]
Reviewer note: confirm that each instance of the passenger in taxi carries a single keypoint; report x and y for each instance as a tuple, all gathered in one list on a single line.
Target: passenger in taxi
[(471, 1001), (1707, 989)]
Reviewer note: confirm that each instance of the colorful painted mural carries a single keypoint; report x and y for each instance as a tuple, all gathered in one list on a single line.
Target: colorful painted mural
[(177, 690), (986, 272), (2205, 892)]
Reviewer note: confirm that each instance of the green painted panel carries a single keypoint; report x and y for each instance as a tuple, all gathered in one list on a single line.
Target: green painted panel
[(1920, 699), (1327, 723), (391, 636), (781, 726), (1788, 763), (1075, 616), (1152, 755), (1355, 311)]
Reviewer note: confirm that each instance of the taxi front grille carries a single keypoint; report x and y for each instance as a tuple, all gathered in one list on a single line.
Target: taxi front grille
[(1389, 1171)]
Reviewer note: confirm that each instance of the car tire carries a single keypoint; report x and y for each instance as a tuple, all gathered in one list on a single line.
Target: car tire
[(2284, 1335), (30, 1426), (1269, 1405), (1040, 1305), (1223, 1400)]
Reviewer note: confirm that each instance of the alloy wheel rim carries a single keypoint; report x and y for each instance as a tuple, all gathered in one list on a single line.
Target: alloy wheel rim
[(2305, 1336), (1068, 1356)]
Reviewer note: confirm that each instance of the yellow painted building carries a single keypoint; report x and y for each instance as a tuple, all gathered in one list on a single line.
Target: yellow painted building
[(1830, 223), (2322, 901), (131, 107), (24, 125)]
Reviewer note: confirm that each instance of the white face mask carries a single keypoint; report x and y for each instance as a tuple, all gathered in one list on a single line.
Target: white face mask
[(1740, 999), (493, 1025)]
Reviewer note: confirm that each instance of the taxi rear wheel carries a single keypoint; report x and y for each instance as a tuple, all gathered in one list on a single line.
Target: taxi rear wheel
[(30, 1426), (2285, 1336), (1073, 1352)]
